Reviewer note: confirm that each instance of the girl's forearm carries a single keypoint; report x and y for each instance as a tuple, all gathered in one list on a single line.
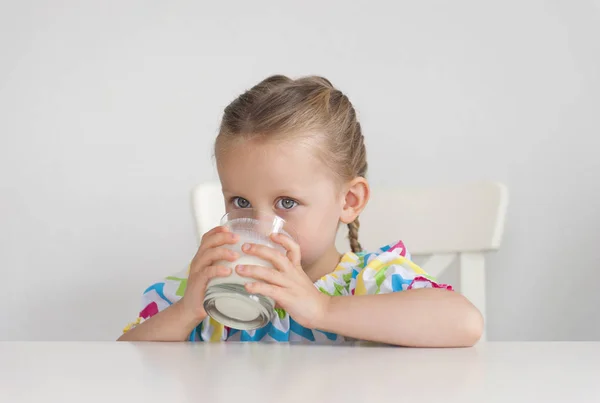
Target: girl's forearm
[(171, 324), (414, 318)]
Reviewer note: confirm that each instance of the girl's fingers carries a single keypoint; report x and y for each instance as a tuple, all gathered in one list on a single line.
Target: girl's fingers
[(280, 261), (217, 239), (216, 271), (265, 289), (262, 273), (215, 230), (210, 256), (292, 248)]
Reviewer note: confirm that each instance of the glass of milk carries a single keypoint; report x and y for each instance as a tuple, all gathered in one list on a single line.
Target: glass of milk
[(226, 299)]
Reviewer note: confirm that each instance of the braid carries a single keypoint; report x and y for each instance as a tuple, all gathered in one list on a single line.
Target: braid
[(353, 236)]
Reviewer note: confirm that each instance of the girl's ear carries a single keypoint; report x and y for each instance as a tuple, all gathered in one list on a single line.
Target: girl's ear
[(356, 197)]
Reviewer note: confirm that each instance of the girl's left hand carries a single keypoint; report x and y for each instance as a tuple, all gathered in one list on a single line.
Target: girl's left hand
[(288, 285)]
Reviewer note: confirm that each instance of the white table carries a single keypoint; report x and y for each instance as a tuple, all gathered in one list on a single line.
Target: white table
[(211, 373)]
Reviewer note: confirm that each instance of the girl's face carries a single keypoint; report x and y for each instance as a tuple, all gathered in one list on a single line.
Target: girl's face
[(287, 179)]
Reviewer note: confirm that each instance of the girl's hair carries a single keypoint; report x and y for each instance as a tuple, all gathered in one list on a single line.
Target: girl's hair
[(310, 108)]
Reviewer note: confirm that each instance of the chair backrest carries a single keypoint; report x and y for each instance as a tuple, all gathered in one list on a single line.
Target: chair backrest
[(207, 206), (431, 220)]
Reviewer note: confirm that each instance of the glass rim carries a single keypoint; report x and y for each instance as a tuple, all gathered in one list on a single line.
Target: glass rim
[(279, 224)]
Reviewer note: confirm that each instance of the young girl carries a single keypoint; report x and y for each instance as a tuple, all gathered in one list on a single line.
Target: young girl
[(295, 147)]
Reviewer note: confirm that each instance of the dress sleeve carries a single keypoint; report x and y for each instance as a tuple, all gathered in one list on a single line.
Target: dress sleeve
[(160, 296), (391, 270)]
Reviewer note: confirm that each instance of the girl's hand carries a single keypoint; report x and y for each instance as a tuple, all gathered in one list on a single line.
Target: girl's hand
[(204, 267), (288, 285)]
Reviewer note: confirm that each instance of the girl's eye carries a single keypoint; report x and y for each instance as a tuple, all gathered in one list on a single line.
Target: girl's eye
[(240, 202), (286, 204)]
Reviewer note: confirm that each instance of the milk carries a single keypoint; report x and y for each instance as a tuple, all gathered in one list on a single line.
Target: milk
[(226, 300)]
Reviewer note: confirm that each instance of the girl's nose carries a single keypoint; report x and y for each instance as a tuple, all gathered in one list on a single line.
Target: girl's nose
[(264, 213), (269, 219)]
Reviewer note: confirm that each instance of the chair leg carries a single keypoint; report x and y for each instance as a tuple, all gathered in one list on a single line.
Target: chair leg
[(472, 282)]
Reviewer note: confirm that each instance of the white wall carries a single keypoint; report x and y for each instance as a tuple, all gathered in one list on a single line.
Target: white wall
[(108, 111)]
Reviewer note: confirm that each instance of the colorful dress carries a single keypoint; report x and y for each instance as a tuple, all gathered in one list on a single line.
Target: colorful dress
[(386, 270)]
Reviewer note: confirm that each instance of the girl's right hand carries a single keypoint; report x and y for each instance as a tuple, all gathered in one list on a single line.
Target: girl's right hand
[(204, 267)]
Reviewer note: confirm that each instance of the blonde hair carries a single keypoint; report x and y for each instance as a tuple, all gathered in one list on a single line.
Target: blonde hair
[(279, 108)]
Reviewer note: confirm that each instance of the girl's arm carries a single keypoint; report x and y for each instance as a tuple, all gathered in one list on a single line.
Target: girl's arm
[(172, 324), (177, 321), (414, 318)]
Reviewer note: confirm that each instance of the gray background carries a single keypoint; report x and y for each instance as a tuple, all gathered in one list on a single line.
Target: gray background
[(108, 111)]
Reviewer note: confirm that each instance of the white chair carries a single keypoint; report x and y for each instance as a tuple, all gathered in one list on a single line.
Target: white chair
[(444, 223)]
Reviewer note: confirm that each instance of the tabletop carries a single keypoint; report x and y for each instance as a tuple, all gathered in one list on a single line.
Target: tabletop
[(262, 372)]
